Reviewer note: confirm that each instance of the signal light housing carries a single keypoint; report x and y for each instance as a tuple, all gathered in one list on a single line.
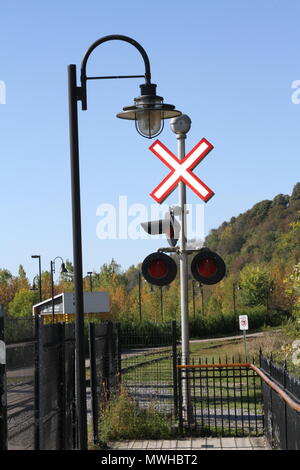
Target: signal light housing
[(208, 267), (159, 269), (169, 226)]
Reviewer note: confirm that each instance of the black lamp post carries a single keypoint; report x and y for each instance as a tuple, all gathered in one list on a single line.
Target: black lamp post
[(193, 299), (90, 274), (140, 295), (40, 275), (148, 112), (202, 297), (52, 270), (161, 303)]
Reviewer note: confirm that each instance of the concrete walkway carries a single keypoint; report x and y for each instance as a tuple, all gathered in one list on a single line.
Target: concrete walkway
[(195, 443)]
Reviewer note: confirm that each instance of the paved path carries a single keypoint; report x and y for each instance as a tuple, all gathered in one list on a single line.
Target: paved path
[(195, 443)]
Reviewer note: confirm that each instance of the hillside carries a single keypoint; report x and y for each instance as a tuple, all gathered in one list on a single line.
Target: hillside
[(269, 232)]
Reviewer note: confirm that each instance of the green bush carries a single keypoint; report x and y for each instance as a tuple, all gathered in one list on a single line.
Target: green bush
[(123, 419)]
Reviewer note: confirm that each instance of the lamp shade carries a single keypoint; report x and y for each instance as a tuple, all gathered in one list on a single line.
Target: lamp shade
[(149, 112)]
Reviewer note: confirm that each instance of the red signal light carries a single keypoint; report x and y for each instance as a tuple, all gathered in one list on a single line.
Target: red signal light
[(159, 269), (207, 267)]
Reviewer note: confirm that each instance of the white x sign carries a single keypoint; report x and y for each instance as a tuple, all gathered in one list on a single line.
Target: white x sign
[(181, 170)]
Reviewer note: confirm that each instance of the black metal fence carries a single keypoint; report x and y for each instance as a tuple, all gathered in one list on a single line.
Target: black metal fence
[(149, 372), (282, 422), (220, 399), (21, 354), (55, 411), (37, 381), (105, 363), (145, 335), (224, 398)]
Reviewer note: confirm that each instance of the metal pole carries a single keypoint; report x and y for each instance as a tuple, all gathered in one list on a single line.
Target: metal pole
[(140, 297), (161, 304), (52, 290), (202, 298), (234, 302), (183, 283), (245, 346), (183, 259), (3, 390), (77, 259), (193, 295), (40, 279)]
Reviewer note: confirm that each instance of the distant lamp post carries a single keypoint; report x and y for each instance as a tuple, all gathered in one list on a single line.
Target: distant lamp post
[(268, 294), (40, 276), (90, 274), (161, 303), (193, 299), (63, 269), (140, 295), (33, 287), (202, 297)]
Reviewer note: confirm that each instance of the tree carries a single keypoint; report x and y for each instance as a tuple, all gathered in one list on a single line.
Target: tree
[(5, 275), (21, 305), (22, 273), (255, 284), (293, 288)]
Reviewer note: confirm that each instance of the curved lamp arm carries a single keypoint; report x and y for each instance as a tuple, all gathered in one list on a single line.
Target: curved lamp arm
[(112, 37), (53, 262)]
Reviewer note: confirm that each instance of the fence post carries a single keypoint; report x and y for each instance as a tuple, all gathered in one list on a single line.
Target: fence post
[(109, 358), (36, 385), (285, 408), (3, 392), (175, 372), (180, 417), (62, 386), (40, 386), (93, 381), (119, 357)]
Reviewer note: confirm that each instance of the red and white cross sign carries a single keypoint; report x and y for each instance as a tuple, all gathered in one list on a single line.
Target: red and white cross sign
[(181, 170)]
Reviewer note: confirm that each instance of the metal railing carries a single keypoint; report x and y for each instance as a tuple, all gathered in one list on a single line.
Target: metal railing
[(281, 398)]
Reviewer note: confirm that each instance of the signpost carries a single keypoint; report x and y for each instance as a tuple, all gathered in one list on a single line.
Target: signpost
[(207, 267), (244, 326), (181, 167)]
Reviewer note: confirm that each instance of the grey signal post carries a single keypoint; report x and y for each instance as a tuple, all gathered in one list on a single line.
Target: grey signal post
[(180, 126)]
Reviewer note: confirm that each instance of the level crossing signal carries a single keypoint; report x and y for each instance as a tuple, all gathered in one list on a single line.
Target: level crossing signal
[(169, 226), (208, 267), (159, 269)]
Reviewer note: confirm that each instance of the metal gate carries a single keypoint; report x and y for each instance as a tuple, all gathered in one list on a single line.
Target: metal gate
[(55, 407), (220, 399)]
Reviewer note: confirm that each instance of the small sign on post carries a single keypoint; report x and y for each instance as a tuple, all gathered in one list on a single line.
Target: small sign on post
[(243, 321), (244, 326)]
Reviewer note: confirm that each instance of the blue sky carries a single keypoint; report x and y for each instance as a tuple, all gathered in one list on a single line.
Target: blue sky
[(228, 64)]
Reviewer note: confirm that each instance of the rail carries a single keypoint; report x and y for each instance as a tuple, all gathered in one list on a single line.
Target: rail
[(292, 403)]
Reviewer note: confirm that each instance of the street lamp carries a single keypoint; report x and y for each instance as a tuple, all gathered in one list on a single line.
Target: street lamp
[(148, 112), (52, 269), (90, 274), (40, 274)]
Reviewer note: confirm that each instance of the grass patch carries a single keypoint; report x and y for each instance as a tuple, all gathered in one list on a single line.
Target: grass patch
[(123, 419)]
